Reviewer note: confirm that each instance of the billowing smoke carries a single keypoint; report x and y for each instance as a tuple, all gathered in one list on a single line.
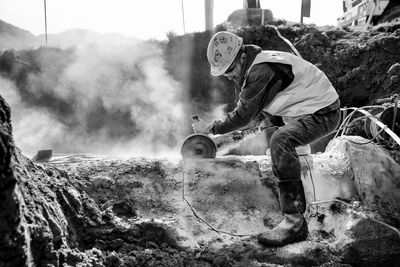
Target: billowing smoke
[(110, 100)]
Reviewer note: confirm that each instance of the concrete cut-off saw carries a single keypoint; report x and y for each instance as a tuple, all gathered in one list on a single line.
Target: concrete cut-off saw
[(200, 145)]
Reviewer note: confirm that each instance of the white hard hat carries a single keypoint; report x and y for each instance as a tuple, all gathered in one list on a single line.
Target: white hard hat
[(222, 50)]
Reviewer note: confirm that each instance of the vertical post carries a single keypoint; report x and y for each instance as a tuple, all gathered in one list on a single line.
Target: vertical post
[(251, 4), (183, 18), (209, 13), (305, 9), (45, 22)]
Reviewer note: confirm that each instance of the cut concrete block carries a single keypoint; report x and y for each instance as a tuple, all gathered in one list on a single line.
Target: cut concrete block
[(230, 194)]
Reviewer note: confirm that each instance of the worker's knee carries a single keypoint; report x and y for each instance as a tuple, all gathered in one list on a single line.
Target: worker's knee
[(285, 162), (281, 141)]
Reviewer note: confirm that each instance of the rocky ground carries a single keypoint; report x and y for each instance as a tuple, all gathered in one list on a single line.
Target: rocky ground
[(86, 210)]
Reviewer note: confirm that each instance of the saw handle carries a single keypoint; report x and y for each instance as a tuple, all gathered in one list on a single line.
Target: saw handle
[(392, 99)]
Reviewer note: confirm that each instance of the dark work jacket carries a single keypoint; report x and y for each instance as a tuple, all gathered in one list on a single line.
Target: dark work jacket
[(263, 82)]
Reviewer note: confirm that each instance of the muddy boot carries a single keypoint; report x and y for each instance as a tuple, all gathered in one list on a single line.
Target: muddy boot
[(293, 228)]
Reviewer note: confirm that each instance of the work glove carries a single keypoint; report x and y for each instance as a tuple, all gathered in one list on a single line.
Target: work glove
[(201, 126)]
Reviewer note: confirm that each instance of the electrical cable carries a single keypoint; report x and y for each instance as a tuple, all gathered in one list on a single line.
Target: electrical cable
[(312, 180), (348, 117), (345, 124), (312, 203), (353, 122), (347, 121), (356, 109), (287, 42), (197, 216), (350, 124), (380, 124), (368, 142)]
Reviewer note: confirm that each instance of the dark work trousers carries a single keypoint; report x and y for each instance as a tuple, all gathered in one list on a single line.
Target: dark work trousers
[(302, 131)]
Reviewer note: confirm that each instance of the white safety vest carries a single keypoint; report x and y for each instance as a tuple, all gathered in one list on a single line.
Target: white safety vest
[(309, 91)]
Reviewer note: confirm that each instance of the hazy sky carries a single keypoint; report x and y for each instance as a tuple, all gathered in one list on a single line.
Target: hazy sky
[(147, 18)]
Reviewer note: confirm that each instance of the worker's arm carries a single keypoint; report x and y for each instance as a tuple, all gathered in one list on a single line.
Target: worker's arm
[(262, 84)]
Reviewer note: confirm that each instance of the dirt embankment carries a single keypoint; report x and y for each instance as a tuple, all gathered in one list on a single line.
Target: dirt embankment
[(109, 212), (88, 211), (363, 65)]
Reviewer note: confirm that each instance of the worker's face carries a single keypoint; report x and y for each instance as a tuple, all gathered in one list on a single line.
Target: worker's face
[(234, 71)]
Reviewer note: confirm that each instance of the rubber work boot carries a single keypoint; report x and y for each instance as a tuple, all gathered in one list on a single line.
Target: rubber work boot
[(293, 228)]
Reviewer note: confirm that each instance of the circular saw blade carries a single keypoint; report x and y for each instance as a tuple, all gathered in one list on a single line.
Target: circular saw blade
[(198, 146)]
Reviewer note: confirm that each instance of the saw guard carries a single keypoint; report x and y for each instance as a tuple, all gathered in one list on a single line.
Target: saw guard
[(198, 146)]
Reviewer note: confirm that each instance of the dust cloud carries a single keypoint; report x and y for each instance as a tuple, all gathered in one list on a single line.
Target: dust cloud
[(103, 99)]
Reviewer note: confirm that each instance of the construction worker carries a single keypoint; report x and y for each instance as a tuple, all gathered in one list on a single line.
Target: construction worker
[(285, 88)]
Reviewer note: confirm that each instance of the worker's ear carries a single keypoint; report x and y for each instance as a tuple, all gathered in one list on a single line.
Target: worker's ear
[(243, 58)]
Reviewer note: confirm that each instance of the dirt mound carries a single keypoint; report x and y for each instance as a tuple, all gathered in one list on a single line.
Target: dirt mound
[(92, 211), (358, 63), (95, 211)]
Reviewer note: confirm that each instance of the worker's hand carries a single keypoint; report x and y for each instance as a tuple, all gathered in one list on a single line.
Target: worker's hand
[(201, 126)]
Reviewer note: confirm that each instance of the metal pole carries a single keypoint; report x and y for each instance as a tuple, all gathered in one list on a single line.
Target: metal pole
[(183, 18), (45, 21), (305, 9), (301, 12), (209, 14)]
